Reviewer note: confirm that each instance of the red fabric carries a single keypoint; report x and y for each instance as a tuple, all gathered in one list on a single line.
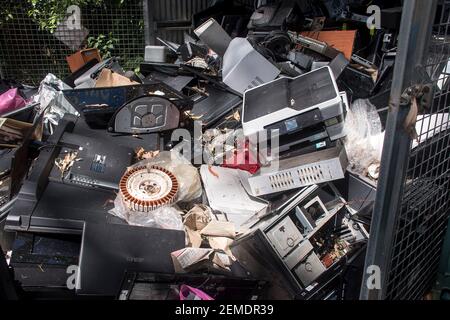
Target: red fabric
[(250, 163)]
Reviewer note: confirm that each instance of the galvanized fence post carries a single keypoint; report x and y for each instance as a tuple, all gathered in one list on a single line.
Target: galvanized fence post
[(415, 32)]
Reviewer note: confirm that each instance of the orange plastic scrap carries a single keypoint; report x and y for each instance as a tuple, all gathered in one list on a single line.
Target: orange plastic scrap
[(342, 40)]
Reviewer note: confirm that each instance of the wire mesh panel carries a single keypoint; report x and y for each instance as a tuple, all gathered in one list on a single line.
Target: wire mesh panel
[(425, 206), (35, 39), (410, 220)]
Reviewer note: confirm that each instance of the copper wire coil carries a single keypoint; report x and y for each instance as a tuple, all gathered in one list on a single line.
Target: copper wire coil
[(142, 205)]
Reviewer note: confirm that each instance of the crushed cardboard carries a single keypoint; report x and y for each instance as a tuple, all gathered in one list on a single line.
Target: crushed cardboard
[(195, 259)]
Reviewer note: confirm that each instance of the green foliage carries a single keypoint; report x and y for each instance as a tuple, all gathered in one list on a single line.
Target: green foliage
[(48, 13), (6, 11), (103, 43), (132, 63), (6, 15), (108, 38)]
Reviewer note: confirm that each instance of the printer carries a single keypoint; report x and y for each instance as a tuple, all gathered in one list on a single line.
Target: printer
[(306, 115), (301, 111)]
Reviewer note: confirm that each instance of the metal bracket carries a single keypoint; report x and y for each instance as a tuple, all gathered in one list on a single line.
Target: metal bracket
[(418, 98), (423, 93)]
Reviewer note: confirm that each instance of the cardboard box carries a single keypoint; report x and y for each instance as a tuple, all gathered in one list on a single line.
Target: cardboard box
[(80, 58), (12, 132)]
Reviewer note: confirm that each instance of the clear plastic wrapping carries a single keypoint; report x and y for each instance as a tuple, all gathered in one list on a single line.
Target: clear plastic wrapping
[(190, 187), (167, 217), (364, 142), (163, 218)]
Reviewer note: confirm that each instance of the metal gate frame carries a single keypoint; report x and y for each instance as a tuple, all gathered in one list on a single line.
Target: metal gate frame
[(388, 234), (169, 19)]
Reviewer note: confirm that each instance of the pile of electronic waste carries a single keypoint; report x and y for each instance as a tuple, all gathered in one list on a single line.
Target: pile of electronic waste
[(241, 162)]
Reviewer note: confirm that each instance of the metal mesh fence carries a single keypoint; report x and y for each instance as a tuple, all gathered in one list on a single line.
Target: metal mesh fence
[(425, 205), (31, 46)]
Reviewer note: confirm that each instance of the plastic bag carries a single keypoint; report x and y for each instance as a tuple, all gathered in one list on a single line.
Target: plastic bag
[(190, 293), (51, 96), (364, 141), (11, 100), (190, 187), (167, 217), (163, 218)]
